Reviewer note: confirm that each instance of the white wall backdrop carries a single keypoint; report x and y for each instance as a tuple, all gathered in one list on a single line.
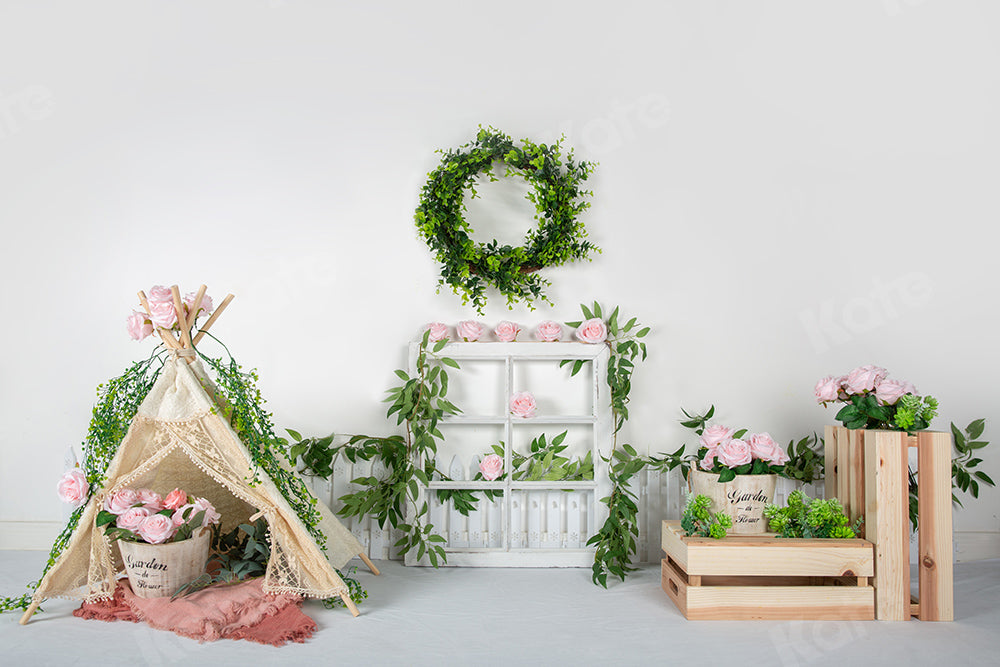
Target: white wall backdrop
[(786, 190)]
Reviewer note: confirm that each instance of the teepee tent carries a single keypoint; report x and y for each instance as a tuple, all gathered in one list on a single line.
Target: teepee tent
[(181, 437)]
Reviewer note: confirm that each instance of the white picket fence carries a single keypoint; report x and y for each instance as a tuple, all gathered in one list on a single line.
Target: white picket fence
[(541, 519)]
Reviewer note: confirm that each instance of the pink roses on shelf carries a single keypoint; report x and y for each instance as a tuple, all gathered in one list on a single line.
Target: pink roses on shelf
[(439, 331), (862, 380), (73, 488), (491, 467), (470, 331), (506, 332), (522, 404), (163, 313), (592, 331), (143, 515), (730, 452), (548, 331)]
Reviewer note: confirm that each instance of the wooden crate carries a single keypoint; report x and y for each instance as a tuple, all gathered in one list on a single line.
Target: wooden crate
[(764, 577)]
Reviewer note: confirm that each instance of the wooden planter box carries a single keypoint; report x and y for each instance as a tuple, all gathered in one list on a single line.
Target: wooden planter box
[(764, 577)]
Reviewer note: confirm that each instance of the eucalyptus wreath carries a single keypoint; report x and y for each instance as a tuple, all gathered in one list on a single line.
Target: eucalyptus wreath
[(469, 267)]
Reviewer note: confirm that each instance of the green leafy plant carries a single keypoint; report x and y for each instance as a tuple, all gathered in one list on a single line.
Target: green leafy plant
[(699, 521), (469, 267), (808, 517)]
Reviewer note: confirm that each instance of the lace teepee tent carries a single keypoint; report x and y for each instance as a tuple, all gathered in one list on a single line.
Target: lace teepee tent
[(181, 437)]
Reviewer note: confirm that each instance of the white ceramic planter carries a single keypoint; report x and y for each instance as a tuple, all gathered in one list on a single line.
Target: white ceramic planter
[(158, 570), (743, 498)]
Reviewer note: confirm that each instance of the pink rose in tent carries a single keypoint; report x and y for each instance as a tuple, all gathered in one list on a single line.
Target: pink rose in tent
[(865, 378), (439, 331), (175, 500), (548, 331), (178, 518), (163, 314), (889, 391), (828, 389), (156, 529), (211, 516), (763, 447), (715, 435), (160, 294), (138, 326), (73, 488), (522, 404), (491, 467), (150, 499), (206, 302), (121, 500), (506, 331), (592, 331), (734, 453), (470, 330), (132, 518)]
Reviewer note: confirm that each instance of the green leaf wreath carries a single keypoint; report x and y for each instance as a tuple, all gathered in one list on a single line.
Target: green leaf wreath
[(469, 267)]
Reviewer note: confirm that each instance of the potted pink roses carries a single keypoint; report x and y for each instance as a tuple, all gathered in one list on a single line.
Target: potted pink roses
[(164, 541), (738, 471)]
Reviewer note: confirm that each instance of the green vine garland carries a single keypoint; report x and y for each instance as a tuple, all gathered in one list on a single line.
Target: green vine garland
[(469, 267)]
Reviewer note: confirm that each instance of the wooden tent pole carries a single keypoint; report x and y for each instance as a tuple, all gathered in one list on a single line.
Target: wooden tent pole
[(212, 319), (367, 561), (34, 606), (181, 320), (196, 305), (349, 603)]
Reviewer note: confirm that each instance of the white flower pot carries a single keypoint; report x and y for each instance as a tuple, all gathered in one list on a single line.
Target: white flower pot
[(158, 570), (743, 498)]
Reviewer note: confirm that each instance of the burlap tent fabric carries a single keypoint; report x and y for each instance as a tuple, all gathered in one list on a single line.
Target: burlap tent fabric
[(179, 438)]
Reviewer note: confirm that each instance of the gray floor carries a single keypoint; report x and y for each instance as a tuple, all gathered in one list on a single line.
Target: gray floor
[(418, 616)]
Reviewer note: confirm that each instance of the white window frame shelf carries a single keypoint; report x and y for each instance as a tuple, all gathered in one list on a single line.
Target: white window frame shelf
[(600, 419)]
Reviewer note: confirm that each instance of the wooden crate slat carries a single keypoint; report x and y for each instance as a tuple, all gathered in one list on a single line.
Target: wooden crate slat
[(935, 533), (886, 521)]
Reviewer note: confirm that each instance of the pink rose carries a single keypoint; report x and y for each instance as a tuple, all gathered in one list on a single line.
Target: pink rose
[(163, 314), (713, 436), (120, 501), (439, 331), (206, 302), (73, 488), (491, 467), (734, 453), (156, 529), (522, 404), (828, 389), (548, 331), (178, 518), (470, 330), (592, 331), (138, 326), (908, 388), (132, 518), (175, 500), (864, 378), (763, 447), (161, 294), (889, 391), (708, 462), (507, 331), (150, 499), (211, 516)]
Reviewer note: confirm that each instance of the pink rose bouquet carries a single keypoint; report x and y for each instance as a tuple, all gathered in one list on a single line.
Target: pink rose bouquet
[(73, 488), (506, 331), (163, 312), (143, 515), (729, 452), (874, 400), (522, 404)]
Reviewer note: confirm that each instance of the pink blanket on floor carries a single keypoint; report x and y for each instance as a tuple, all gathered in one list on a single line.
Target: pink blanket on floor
[(238, 611)]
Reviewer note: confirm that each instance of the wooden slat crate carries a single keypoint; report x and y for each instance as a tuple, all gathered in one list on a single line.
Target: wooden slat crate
[(764, 577)]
